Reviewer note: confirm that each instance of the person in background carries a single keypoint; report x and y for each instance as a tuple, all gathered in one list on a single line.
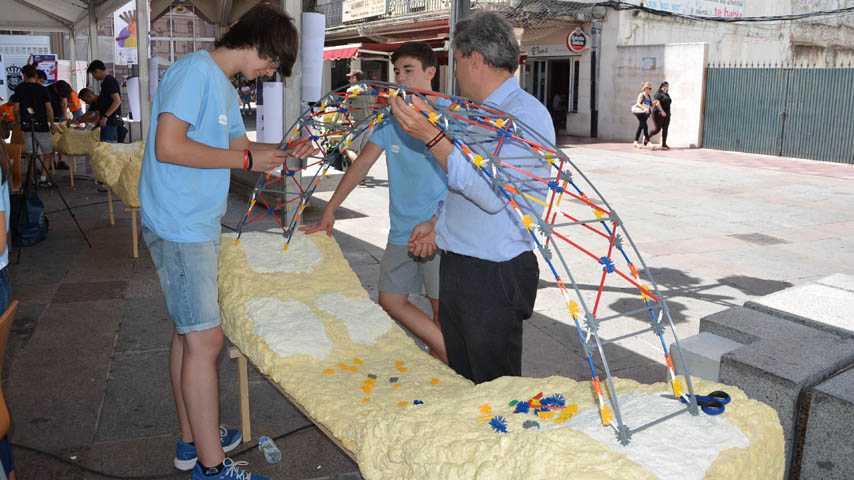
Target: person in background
[(643, 106), (60, 95), (109, 102), (7, 113), (92, 115), (246, 98), (75, 106), (489, 272), (31, 95), (661, 114), (8, 465), (41, 75)]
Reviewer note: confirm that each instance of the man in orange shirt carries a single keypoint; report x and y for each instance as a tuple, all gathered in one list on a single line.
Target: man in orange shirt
[(75, 106)]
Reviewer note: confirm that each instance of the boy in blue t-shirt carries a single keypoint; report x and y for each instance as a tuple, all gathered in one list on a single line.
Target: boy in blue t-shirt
[(416, 187), (196, 137)]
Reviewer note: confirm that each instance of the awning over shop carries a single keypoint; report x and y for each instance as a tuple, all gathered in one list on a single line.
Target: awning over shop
[(341, 51), (354, 49)]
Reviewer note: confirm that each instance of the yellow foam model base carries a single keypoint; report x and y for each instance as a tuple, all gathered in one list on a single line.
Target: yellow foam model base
[(118, 166), (365, 395)]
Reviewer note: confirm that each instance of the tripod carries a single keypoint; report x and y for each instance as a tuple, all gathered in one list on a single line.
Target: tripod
[(31, 185)]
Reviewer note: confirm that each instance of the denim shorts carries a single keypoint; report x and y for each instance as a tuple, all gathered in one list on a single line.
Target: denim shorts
[(110, 133), (187, 274)]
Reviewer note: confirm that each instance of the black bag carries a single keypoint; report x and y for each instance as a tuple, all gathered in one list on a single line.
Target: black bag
[(28, 224)]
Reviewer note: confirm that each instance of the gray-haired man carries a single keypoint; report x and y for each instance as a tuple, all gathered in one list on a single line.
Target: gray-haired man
[(489, 273)]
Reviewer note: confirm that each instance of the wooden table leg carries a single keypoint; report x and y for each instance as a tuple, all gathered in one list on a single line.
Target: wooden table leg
[(110, 202), (71, 160), (135, 233), (243, 380)]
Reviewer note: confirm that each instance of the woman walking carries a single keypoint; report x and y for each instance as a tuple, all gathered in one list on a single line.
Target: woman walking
[(642, 109), (661, 114)]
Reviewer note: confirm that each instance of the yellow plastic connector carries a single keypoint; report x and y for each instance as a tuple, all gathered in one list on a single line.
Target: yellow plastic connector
[(485, 408), (606, 415)]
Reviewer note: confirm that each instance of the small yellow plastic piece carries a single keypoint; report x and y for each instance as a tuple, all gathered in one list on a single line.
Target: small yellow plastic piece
[(528, 222), (678, 389), (485, 408), (342, 366), (366, 399), (574, 309), (329, 371), (486, 418), (286, 248), (396, 386), (236, 242), (643, 292), (546, 414), (353, 369), (367, 387), (435, 381), (606, 415), (535, 402), (598, 213), (371, 380), (357, 361), (379, 118), (478, 160), (402, 369), (567, 413), (399, 363), (402, 404)]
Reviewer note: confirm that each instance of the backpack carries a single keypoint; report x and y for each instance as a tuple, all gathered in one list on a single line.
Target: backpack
[(28, 224)]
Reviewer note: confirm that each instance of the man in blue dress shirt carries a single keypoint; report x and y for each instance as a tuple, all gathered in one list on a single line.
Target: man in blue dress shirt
[(489, 273)]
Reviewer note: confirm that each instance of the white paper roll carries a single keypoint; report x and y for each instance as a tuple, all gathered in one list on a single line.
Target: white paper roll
[(311, 55), (133, 97), (272, 126)]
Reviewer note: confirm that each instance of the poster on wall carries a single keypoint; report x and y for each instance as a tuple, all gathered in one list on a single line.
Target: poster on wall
[(704, 8), (124, 26), (47, 64)]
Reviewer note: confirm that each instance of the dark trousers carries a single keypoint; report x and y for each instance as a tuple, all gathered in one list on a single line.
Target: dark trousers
[(481, 306), (642, 117), (661, 125)]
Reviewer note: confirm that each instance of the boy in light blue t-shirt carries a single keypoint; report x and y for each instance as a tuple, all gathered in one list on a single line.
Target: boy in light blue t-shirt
[(196, 137), (416, 187)]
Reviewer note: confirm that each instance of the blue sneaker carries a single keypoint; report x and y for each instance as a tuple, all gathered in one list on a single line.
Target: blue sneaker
[(186, 456), (231, 471)]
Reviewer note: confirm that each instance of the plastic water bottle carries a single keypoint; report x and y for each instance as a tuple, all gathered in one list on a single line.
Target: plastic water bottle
[(271, 452)]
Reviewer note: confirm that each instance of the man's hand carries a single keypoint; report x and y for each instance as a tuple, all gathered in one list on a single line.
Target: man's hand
[(54, 128), (422, 241), (103, 121), (266, 160), (412, 121), (327, 220), (303, 148)]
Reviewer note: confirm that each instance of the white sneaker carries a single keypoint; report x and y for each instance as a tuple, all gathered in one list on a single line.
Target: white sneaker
[(635, 143)]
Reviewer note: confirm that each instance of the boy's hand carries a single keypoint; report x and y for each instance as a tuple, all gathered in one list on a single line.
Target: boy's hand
[(327, 220), (422, 242), (412, 121), (266, 160)]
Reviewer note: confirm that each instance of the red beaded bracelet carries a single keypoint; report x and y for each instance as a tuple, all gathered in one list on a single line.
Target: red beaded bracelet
[(246, 159)]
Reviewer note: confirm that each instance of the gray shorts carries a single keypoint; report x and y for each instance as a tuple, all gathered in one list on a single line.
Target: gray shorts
[(403, 273), (42, 140)]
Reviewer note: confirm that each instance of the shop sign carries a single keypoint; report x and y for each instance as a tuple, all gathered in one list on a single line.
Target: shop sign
[(359, 9), (576, 41), (558, 50)]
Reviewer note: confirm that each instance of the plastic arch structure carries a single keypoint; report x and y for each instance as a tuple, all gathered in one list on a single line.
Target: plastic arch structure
[(578, 234)]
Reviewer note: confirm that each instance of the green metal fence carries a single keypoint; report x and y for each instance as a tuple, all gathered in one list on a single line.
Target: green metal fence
[(793, 112)]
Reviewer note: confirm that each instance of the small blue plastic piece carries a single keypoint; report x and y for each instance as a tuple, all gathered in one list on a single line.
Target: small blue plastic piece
[(498, 424), (417, 402), (522, 407), (608, 264), (393, 379)]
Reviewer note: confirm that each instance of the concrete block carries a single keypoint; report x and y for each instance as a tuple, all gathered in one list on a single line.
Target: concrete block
[(702, 354), (828, 451), (779, 360), (825, 304)]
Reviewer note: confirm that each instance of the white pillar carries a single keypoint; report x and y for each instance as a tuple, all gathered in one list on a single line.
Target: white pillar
[(93, 43), (142, 12), (292, 95), (72, 56)]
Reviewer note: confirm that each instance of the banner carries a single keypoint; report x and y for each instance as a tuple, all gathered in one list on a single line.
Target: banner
[(124, 26), (47, 64), (705, 8)]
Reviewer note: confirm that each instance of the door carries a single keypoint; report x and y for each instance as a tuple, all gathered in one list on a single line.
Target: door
[(536, 79)]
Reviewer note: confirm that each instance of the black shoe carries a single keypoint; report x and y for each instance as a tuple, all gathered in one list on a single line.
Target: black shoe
[(102, 188), (45, 183), (62, 166)]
